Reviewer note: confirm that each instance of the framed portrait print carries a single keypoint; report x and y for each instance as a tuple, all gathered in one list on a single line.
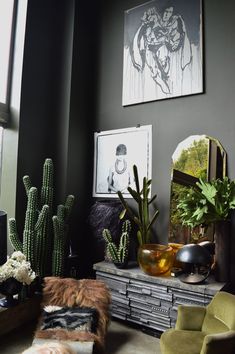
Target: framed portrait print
[(115, 153), (162, 54)]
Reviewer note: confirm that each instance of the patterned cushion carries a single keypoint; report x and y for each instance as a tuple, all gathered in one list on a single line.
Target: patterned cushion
[(64, 293), (70, 318)]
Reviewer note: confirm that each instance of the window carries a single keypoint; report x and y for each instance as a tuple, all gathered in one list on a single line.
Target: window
[(7, 25)]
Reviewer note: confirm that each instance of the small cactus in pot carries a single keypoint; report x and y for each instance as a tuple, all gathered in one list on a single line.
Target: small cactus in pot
[(118, 253)]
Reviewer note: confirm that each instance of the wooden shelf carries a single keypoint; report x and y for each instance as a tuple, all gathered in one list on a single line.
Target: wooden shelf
[(16, 316)]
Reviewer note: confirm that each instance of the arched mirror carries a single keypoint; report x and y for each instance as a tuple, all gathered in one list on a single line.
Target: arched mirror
[(198, 156)]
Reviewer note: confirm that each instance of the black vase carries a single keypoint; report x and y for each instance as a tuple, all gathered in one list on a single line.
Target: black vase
[(222, 250), (9, 287), (104, 214)]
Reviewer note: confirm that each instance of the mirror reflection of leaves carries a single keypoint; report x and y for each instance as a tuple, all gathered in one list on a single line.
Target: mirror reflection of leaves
[(198, 156)]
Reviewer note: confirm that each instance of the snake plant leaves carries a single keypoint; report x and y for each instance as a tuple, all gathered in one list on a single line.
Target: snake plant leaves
[(136, 177), (134, 194), (142, 216), (122, 214), (152, 199), (153, 219)]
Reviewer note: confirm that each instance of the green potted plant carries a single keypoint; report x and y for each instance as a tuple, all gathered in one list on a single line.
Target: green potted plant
[(142, 218), (211, 203), (118, 253), (208, 202), (153, 259)]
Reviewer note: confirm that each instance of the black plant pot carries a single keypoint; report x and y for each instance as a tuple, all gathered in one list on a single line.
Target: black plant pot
[(104, 214), (121, 265), (222, 250), (9, 288)]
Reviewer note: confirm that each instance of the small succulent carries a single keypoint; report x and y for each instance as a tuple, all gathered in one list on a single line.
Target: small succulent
[(118, 254)]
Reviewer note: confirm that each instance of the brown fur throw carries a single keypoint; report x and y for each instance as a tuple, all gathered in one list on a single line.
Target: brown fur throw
[(49, 348), (68, 292)]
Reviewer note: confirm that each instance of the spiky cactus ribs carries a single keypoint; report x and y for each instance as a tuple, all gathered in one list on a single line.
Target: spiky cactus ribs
[(43, 248)]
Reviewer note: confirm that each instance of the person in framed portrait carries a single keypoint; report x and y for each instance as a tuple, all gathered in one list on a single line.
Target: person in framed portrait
[(119, 178)]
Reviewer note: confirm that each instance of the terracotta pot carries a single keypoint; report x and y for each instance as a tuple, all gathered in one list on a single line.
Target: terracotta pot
[(222, 250)]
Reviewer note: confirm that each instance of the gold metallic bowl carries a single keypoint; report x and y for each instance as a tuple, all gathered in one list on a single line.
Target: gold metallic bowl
[(176, 247), (155, 259)]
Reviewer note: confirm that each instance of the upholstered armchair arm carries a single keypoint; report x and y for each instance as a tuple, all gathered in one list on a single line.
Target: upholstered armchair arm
[(190, 317), (219, 343)]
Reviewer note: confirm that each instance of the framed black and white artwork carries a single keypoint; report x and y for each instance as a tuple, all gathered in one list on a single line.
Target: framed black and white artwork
[(115, 153), (162, 51)]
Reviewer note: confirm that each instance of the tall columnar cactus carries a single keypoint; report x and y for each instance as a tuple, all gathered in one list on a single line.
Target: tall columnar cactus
[(37, 236), (60, 226), (142, 218), (45, 239), (118, 253), (34, 222)]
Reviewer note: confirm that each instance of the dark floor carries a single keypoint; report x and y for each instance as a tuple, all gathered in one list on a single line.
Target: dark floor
[(121, 339)]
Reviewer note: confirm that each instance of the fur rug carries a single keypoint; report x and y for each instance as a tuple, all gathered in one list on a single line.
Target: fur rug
[(55, 348), (68, 292)]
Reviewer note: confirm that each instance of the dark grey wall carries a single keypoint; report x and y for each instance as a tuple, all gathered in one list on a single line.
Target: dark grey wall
[(45, 99), (173, 120), (58, 123), (81, 127)]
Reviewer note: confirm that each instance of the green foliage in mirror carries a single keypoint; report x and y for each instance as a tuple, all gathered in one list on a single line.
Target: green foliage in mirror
[(193, 160), (197, 156), (208, 203)]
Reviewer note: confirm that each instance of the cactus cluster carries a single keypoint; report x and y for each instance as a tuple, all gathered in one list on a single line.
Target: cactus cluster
[(118, 254), (43, 248), (142, 219)]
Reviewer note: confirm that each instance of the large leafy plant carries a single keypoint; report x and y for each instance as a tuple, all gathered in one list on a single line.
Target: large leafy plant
[(208, 202), (142, 218)]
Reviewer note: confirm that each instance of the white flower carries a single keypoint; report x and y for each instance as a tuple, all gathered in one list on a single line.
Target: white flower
[(17, 267), (18, 256)]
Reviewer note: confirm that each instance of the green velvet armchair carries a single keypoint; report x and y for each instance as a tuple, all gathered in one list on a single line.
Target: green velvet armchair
[(203, 330)]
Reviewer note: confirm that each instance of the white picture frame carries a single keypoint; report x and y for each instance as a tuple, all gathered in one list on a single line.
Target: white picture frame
[(163, 51), (115, 153)]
